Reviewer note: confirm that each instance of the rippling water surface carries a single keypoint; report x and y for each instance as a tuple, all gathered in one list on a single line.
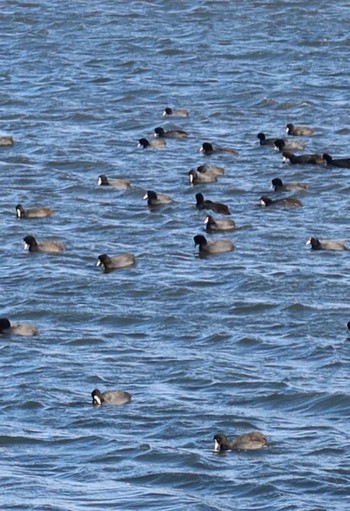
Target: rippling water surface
[(253, 339)]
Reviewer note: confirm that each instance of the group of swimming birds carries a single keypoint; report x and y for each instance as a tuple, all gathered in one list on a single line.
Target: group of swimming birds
[(203, 174)]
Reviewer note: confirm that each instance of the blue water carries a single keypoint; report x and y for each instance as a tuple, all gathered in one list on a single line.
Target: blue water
[(254, 339)]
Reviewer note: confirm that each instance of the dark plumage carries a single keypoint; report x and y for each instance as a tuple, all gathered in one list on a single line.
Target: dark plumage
[(157, 199), (211, 169), (212, 247), (112, 397), (248, 441), (51, 247), (182, 112), (279, 186), (288, 202), (343, 163), (108, 263), (151, 144), (198, 178), (115, 183), (209, 204), (38, 212), (264, 140), (205, 174), (317, 244), (219, 225), (208, 149), (18, 329), (288, 145), (298, 130), (162, 133), (311, 159)]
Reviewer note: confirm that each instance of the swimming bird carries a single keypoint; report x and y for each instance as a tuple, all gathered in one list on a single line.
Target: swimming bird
[(19, 329), (198, 178), (264, 140), (162, 133), (208, 149), (288, 145), (182, 112), (108, 263), (343, 163), (211, 169), (157, 199), (38, 212), (248, 441), (279, 186), (218, 225), (212, 247), (313, 159), (158, 143), (288, 202), (209, 204), (116, 183), (111, 397), (298, 130), (52, 247), (317, 244), (6, 140)]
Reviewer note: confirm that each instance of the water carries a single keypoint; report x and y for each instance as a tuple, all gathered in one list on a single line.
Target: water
[(253, 339)]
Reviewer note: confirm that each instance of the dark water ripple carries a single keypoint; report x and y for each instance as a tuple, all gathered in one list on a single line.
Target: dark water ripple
[(253, 339)]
